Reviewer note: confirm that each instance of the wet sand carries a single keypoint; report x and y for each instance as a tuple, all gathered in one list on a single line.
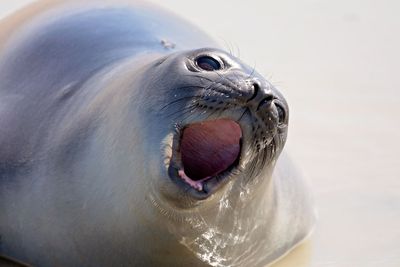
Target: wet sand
[(337, 62)]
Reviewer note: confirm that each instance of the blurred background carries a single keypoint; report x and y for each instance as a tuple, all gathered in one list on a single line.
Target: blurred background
[(337, 63)]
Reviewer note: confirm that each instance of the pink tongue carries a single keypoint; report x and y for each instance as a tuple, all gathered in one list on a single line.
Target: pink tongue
[(209, 148)]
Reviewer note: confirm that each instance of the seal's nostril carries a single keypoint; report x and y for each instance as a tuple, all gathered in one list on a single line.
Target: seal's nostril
[(255, 88), (281, 113)]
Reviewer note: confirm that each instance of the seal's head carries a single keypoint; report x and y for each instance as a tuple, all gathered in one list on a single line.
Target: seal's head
[(218, 128), (223, 123)]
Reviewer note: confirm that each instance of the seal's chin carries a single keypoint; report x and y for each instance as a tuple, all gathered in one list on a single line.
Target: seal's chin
[(206, 155)]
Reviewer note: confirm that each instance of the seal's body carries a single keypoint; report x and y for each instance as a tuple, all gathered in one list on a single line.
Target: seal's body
[(106, 118)]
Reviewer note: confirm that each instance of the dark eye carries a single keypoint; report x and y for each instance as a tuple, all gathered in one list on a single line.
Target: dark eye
[(208, 63)]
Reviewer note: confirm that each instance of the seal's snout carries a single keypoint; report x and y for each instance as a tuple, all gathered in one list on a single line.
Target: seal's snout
[(264, 98), (208, 149), (261, 95)]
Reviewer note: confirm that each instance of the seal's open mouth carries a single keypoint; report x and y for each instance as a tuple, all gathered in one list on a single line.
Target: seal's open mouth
[(208, 150)]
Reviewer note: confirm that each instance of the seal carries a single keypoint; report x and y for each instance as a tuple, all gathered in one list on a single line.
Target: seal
[(129, 138)]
